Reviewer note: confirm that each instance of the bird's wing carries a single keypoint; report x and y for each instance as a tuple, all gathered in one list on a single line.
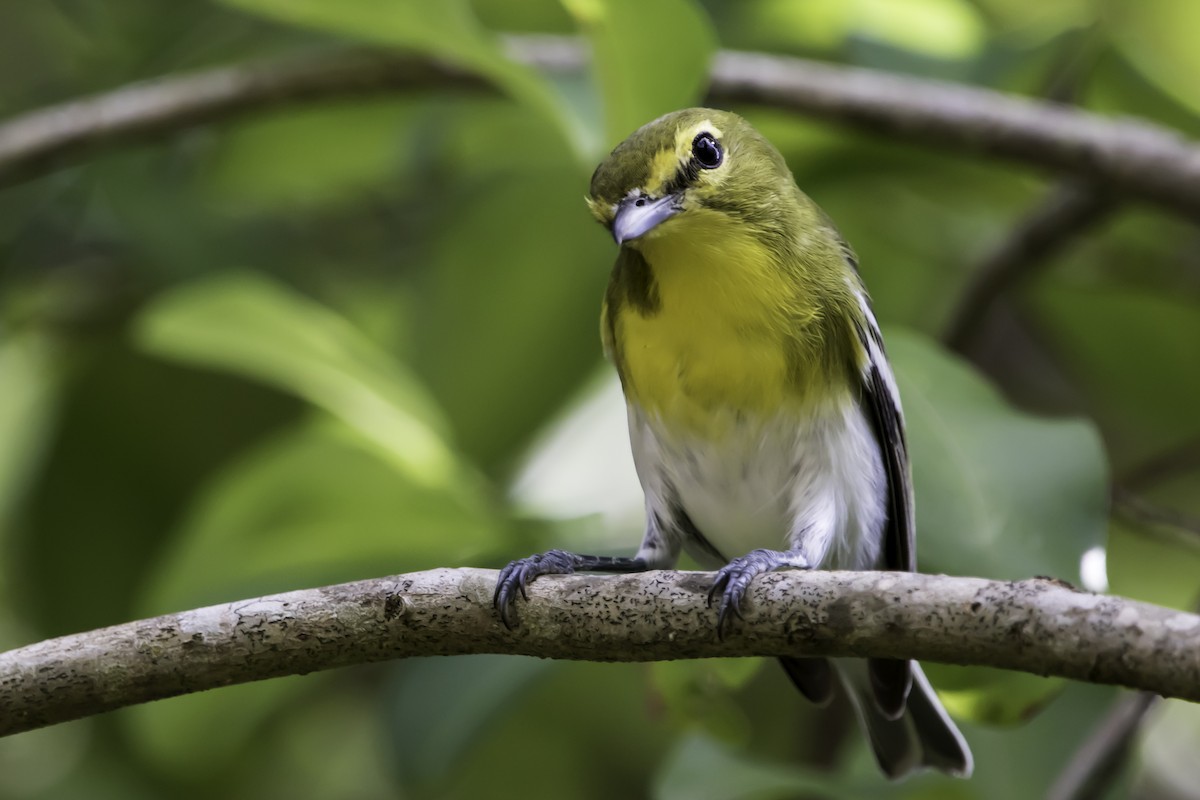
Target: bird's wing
[(881, 404), (891, 679)]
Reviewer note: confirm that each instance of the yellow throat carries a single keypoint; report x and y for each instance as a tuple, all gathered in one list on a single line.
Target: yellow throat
[(718, 336)]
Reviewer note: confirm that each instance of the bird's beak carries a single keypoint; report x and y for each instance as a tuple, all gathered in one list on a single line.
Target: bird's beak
[(637, 216)]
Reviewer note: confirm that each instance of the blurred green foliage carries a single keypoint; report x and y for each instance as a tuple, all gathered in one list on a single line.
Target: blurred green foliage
[(320, 343)]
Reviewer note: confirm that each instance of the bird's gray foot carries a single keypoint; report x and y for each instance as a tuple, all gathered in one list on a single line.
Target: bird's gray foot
[(734, 579), (515, 577)]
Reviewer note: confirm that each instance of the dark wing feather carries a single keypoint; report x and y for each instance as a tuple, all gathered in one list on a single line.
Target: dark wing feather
[(891, 679), (881, 403)]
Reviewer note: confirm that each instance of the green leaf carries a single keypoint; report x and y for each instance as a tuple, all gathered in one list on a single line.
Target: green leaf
[(949, 29), (1140, 372), (446, 29), (942, 29), (644, 71), (700, 693), (1000, 493), (28, 373), (312, 507), (459, 701), (248, 325), (201, 735), (1156, 566), (1158, 36), (507, 324), (992, 696), (700, 769), (306, 157)]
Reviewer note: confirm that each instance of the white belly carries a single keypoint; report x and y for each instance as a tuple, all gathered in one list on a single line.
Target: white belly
[(813, 485)]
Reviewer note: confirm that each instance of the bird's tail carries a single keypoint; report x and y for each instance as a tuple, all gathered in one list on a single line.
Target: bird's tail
[(923, 736)]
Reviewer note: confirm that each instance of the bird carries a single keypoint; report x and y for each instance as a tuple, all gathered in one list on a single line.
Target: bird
[(764, 416)]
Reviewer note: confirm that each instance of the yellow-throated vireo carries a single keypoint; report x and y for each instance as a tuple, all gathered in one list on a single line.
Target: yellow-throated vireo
[(764, 417)]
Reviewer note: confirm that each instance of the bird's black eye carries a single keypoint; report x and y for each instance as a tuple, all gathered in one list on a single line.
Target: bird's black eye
[(707, 151)]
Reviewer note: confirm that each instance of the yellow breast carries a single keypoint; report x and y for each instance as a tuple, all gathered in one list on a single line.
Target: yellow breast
[(718, 345)]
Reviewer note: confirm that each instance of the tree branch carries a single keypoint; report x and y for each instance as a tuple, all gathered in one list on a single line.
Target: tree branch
[(1137, 158), (1038, 625), (1066, 212), (1138, 510), (1098, 762), (1180, 459), (41, 141)]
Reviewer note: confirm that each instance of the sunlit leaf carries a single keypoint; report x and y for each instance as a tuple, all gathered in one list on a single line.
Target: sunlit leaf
[(1158, 36), (940, 28), (949, 29), (248, 325)]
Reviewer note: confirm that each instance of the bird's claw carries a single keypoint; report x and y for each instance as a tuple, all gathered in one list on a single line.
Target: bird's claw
[(731, 584), (515, 577), (733, 580)]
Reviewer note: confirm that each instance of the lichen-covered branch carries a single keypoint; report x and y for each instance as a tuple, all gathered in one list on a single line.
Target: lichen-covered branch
[(1136, 158), (1038, 626)]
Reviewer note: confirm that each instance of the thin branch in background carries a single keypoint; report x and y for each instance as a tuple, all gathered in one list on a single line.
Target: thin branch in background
[(1135, 157), (1142, 512), (1181, 459), (41, 141), (1066, 212), (1138, 158), (1102, 756), (1069, 210)]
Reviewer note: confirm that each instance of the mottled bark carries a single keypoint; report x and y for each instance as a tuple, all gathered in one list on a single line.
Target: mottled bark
[(1037, 626)]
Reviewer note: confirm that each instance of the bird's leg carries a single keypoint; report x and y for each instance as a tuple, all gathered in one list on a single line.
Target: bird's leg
[(515, 577), (659, 550), (734, 578)]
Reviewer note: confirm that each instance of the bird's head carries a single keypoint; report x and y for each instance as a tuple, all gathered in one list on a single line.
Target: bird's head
[(691, 170)]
